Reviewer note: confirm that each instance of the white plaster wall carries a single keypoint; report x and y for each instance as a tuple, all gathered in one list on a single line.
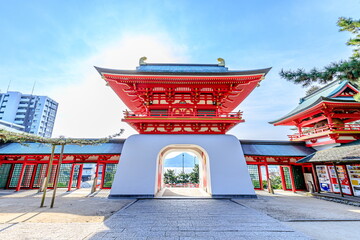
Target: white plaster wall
[(136, 173)]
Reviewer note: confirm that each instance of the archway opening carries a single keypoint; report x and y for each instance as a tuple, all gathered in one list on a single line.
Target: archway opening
[(182, 171)]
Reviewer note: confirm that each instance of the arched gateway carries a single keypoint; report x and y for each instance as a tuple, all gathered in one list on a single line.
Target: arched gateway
[(200, 153), (182, 106)]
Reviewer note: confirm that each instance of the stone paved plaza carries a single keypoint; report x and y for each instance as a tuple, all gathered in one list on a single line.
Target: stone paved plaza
[(193, 219), (162, 219), (80, 215)]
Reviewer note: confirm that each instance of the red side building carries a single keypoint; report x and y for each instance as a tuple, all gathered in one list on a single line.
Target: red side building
[(326, 117)]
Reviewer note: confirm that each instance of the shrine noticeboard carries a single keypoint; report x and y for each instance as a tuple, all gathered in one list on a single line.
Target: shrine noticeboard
[(344, 180), (354, 176), (323, 177)]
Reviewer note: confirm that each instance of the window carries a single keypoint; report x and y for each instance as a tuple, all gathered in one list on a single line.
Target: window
[(159, 112)]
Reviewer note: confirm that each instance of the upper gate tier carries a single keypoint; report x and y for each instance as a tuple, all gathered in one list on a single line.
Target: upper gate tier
[(201, 86)]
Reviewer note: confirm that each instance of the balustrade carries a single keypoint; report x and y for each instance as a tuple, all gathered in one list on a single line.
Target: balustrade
[(237, 115), (326, 128)]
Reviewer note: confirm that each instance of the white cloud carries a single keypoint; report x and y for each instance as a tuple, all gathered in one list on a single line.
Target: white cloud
[(87, 108)]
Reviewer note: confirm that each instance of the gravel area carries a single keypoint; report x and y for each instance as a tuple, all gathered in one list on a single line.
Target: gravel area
[(77, 206), (319, 219), (79, 215)]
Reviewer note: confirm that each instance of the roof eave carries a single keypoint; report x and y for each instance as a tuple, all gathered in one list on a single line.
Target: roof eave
[(282, 121), (103, 71)]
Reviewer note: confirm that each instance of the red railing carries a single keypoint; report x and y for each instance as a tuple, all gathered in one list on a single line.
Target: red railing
[(326, 128), (237, 115)]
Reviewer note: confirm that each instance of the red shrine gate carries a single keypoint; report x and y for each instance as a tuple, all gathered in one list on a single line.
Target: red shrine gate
[(173, 104)]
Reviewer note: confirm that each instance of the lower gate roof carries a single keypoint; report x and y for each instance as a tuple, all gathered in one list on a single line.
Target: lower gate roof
[(275, 148), (114, 146)]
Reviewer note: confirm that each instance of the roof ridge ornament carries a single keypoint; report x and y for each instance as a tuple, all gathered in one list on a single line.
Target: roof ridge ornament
[(357, 97), (142, 61), (221, 62)]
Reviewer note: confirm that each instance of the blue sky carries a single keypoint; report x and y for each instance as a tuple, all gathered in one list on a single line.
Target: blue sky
[(57, 43)]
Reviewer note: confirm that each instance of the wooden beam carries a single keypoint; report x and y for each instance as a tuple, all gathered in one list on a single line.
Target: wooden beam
[(46, 180), (311, 121), (57, 176)]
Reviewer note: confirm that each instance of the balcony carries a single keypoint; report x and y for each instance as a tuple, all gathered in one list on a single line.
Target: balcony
[(182, 122), (324, 130)]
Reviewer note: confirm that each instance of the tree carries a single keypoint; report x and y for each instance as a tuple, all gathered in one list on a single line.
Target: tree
[(343, 70), (353, 26), (312, 89), (194, 175), (170, 177), (183, 178)]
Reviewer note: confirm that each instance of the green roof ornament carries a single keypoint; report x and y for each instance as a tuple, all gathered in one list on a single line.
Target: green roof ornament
[(221, 62), (142, 60), (357, 97)]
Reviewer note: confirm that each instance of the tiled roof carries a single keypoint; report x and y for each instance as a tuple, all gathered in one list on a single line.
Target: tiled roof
[(325, 93), (344, 153), (275, 148), (183, 69), (112, 147)]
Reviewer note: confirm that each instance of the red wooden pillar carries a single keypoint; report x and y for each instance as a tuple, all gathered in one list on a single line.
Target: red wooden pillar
[(96, 174), (316, 180), (103, 176), (299, 129), (292, 178), (283, 183), (80, 176), (33, 175), (21, 177), (347, 177), (260, 177), (329, 118), (338, 180), (71, 176)]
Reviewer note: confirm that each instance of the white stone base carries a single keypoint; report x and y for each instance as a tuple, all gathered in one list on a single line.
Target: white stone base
[(225, 167)]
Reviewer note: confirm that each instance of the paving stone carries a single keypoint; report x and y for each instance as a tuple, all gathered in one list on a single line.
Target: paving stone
[(164, 219), (197, 219)]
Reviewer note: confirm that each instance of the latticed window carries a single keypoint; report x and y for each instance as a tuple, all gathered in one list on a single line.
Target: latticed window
[(64, 175), (287, 178), (40, 175), (28, 172), (4, 174), (15, 175), (52, 176), (110, 171), (75, 176), (254, 175)]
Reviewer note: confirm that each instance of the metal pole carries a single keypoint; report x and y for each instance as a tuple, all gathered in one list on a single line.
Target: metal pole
[(57, 175), (48, 175), (94, 186), (183, 163), (338, 180)]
